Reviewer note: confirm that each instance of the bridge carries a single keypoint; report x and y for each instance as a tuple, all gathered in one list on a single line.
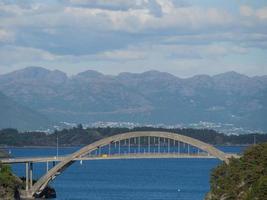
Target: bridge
[(131, 145)]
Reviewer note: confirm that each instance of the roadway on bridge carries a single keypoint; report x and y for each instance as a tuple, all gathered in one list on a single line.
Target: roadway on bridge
[(107, 157)]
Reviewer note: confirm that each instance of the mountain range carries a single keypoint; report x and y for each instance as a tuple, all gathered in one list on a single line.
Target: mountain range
[(149, 97)]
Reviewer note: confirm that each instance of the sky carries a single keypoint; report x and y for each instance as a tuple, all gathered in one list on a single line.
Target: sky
[(182, 37)]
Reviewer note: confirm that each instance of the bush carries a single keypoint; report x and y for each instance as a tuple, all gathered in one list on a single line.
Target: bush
[(6, 177), (242, 179)]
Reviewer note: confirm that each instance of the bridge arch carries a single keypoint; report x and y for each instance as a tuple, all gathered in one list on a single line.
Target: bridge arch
[(52, 173)]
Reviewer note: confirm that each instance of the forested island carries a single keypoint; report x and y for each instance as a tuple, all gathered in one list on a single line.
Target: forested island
[(79, 136), (242, 179)]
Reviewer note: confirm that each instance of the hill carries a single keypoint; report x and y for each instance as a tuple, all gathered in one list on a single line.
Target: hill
[(78, 136), (3, 154), (14, 115), (242, 179), (149, 97)]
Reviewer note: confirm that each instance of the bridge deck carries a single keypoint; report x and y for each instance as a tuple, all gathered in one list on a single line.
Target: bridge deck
[(109, 157)]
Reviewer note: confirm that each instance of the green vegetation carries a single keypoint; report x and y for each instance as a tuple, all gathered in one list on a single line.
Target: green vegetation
[(8, 183), (79, 136), (242, 179)]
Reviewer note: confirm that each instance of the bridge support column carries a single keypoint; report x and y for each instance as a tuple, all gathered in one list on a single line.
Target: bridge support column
[(27, 176), (188, 150), (148, 144), (31, 174), (168, 145), (47, 166), (158, 144), (139, 145), (119, 147), (179, 148), (129, 145)]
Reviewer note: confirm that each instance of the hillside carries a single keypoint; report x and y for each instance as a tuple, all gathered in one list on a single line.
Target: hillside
[(14, 115), (149, 97), (3, 154), (78, 136), (242, 179)]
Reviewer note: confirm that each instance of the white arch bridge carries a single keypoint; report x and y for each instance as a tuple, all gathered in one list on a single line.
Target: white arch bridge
[(131, 145)]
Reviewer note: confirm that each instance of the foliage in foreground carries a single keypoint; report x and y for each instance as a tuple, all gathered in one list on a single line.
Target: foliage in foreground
[(242, 179), (8, 182)]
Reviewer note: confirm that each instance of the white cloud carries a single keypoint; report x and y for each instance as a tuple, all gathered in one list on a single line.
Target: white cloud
[(6, 35), (168, 52), (136, 20), (145, 33), (262, 13), (14, 54), (123, 55), (248, 11)]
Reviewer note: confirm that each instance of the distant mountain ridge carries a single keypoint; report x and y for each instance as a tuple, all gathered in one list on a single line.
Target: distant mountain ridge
[(149, 97)]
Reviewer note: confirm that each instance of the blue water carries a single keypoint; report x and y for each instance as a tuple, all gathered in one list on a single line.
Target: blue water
[(151, 179)]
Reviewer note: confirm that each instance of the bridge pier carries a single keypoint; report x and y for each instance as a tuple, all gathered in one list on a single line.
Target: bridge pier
[(27, 175), (139, 148), (47, 166), (148, 143), (26, 195), (31, 174), (168, 145), (119, 147), (188, 149), (129, 145)]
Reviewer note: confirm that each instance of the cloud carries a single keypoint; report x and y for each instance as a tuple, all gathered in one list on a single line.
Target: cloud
[(108, 5), (6, 35), (262, 13), (141, 20), (132, 32), (14, 54), (123, 55), (248, 11), (119, 5)]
